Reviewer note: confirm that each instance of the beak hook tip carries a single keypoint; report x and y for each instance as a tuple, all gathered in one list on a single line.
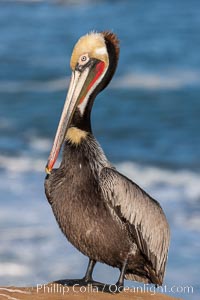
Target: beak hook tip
[(48, 170)]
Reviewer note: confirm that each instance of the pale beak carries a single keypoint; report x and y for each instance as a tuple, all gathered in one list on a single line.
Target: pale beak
[(77, 82)]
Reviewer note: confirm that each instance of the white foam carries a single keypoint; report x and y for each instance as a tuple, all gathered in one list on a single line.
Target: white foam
[(22, 164), (53, 85), (148, 177), (40, 144), (32, 227), (164, 80), (13, 269)]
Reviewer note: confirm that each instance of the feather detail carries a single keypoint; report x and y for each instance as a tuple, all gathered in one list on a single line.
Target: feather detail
[(113, 39), (147, 223)]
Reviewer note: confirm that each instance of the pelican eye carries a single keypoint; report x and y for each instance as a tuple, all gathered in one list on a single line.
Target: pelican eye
[(83, 59)]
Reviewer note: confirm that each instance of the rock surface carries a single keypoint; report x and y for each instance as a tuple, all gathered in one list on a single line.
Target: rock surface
[(58, 292)]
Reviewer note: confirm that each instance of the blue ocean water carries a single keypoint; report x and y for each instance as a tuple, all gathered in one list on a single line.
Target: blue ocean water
[(147, 121)]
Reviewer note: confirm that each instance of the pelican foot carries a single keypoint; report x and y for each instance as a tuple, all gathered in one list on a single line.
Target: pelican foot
[(92, 285), (72, 282)]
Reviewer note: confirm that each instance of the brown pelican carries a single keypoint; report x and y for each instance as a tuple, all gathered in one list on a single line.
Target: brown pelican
[(102, 213)]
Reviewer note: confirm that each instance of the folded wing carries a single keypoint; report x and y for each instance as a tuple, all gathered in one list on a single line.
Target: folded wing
[(147, 222)]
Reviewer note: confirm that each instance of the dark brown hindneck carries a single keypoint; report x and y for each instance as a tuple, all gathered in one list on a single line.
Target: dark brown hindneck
[(82, 122)]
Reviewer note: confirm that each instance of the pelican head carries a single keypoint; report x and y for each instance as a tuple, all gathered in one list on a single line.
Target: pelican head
[(93, 63)]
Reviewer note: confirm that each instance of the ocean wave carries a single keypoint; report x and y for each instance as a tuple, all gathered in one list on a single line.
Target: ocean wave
[(53, 85), (27, 223), (178, 191), (185, 183), (148, 177), (66, 2), (21, 164), (40, 144), (170, 80), (13, 269), (25, 233), (26, 1)]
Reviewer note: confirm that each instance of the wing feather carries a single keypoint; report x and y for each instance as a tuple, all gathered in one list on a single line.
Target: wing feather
[(146, 219)]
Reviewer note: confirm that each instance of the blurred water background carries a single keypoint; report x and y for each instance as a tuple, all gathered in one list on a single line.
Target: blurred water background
[(147, 121)]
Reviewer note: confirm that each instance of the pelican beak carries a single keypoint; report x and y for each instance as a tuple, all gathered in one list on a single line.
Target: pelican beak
[(75, 87), (81, 82)]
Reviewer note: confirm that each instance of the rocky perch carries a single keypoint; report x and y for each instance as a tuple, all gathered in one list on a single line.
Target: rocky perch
[(53, 291)]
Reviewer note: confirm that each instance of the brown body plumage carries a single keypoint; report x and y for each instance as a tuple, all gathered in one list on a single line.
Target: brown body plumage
[(102, 213)]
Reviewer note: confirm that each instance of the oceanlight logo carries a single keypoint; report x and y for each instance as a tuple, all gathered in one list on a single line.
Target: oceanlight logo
[(175, 289), (55, 288)]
